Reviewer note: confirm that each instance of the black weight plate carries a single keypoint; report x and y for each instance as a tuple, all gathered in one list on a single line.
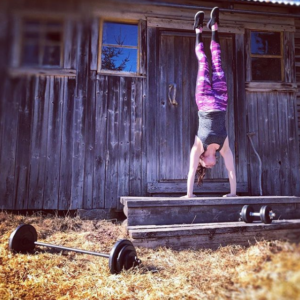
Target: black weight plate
[(114, 253), (245, 214), (126, 258), (23, 238), (265, 214)]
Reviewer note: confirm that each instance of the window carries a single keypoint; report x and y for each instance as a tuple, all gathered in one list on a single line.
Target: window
[(119, 47), (266, 56), (41, 43)]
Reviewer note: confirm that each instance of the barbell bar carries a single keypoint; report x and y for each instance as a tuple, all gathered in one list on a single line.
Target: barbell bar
[(265, 214), (122, 256)]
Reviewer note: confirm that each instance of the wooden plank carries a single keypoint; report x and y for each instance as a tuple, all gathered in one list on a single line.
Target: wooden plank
[(101, 136), (177, 131), (89, 139), (23, 144), (13, 88), (274, 179), (151, 105), (212, 229), (144, 202), (143, 47), (38, 151), (289, 57), (111, 180), (17, 72), (284, 173), (247, 55), (186, 242), (70, 43), (127, 87), (53, 144), (135, 168), (238, 234), (208, 186), (269, 86), (166, 57), (144, 137), (83, 46), (293, 154), (67, 136), (94, 44), (241, 155)]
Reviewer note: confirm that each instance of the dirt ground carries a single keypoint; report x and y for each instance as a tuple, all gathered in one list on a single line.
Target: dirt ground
[(266, 270)]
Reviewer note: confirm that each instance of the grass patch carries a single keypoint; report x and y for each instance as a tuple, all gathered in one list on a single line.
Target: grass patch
[(266, 270)]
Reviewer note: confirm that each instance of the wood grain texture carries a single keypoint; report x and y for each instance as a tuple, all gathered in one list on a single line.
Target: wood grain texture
[(212, 236)]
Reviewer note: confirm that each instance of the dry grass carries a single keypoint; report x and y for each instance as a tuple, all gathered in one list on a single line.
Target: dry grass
[(262, 271)]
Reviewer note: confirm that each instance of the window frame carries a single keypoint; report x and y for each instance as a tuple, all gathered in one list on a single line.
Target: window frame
[(122, 73), (43, 20), (282, 58)]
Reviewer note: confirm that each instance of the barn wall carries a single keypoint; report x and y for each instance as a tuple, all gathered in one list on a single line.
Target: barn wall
[(73, 139)]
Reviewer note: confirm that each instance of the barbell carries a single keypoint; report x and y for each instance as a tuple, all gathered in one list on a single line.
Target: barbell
[(265, 214), (122, 256)]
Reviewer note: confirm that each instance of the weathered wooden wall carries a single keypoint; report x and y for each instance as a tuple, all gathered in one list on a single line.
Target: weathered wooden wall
[(68, 141)]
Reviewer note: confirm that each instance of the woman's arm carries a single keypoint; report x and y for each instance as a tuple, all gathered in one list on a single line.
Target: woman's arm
[(196, 151), (229, 163)]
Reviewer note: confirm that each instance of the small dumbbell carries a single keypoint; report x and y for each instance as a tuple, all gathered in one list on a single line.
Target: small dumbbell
[(265, 214)]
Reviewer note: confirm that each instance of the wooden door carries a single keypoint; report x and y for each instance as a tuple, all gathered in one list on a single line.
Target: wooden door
[(176, 113)]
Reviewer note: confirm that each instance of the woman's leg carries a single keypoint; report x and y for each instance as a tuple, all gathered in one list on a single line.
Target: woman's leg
[(203, 94), (219, 85)]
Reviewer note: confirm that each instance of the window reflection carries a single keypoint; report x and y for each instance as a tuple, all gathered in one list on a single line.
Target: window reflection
[(266, 56), (119, 47)]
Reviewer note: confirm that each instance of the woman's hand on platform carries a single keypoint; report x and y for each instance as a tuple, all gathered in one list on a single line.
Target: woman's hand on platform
[(230, 195), (187, 196)]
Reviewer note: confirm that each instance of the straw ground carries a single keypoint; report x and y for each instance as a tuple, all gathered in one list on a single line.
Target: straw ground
[(266, 270)]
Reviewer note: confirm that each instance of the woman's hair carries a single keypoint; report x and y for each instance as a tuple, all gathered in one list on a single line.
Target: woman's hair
[(200, 173)]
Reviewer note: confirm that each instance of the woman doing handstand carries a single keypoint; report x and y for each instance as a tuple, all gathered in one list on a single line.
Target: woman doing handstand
[(211, 99)]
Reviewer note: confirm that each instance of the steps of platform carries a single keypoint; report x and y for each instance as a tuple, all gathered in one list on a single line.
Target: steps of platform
[(213, 235), (172, 211)]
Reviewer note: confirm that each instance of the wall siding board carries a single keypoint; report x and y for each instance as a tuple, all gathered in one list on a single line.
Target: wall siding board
[(23, 144), (67, 136), (83, 45), (253, 168), (177, 111), (289, 56), (273, 156), (135, 184), (53, 144), (38, 151), (284, 173), (89, 139), (127, 86), (241, 139), (101, 134), (111, 182), (293, 147), (94, 49), (9, 130), (151, 104), (143, 47), (70, 45)]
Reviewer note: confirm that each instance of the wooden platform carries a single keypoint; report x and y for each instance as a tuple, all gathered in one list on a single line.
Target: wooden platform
[(209, 222), (214, 235), (170, 211)]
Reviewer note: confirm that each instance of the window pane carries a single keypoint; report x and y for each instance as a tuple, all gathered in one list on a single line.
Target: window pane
[(119, 59), (266, 69), (31, 25), (120, 34), (265, 43), (32, 35), (53, 37), (30, 54), (51, 56)]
